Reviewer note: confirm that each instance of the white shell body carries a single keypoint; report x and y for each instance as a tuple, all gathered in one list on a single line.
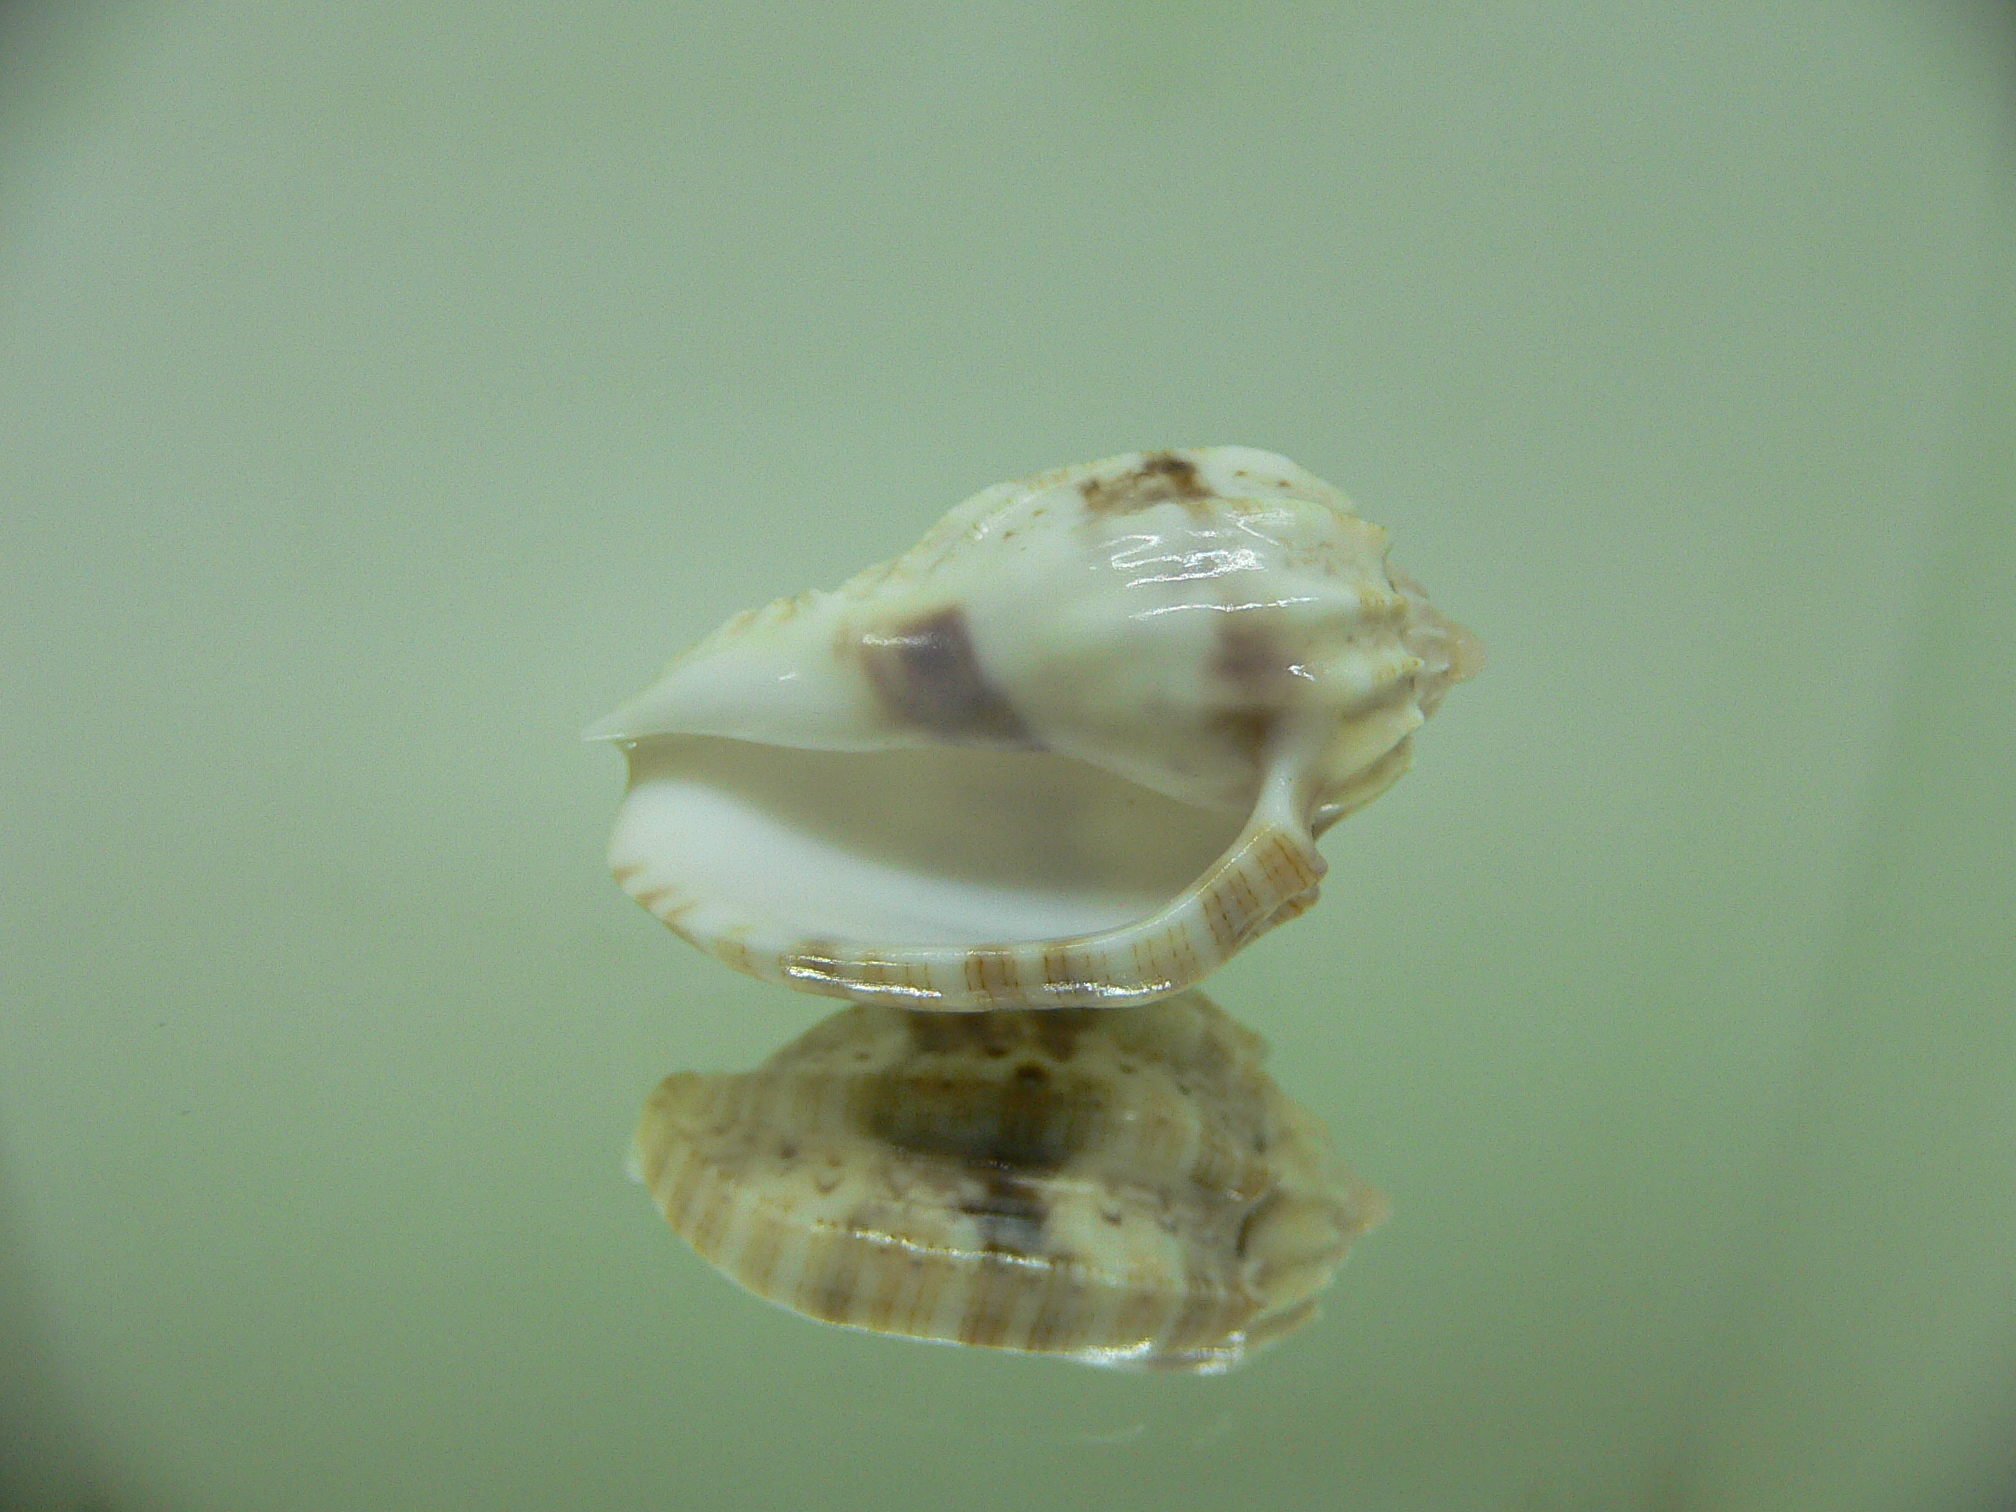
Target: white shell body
[(1124, 1187), (1072, 749)]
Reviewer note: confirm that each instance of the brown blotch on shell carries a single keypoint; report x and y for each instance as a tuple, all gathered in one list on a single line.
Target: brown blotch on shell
[(1057, 1031), (1155, 1201), (1010, 1214), (1161, 477), (940, 1033), (1250, 731), (1259, 675), (1252, 660), (927, 676), (982, 1122)]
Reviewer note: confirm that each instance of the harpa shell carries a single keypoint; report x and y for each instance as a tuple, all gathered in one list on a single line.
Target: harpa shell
[(1072, 749)]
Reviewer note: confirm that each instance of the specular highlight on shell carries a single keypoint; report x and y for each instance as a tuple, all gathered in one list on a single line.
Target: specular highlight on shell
[(1073, 749), (1122, 1187)]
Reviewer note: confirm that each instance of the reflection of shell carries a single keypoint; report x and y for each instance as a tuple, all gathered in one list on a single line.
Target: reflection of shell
[(1122, 1187), (1073, 749)]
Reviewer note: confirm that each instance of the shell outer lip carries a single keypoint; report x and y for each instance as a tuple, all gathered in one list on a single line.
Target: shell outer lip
[(1271, 873)]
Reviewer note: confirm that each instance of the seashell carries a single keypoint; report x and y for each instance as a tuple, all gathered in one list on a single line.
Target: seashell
[(1121, 1187), (1072, 749)]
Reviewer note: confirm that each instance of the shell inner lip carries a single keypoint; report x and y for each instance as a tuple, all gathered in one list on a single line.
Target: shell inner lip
[(934, 846)]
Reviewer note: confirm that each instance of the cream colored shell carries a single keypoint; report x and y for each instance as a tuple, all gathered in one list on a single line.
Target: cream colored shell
[(1122, 1187), (1073, 749)]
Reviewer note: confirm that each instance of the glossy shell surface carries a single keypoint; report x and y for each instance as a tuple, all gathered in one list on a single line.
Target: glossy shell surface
[(1125, 1187), (1073, 749)]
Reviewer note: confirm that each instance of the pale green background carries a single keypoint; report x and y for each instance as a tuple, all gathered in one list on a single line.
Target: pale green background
[(386, 390)]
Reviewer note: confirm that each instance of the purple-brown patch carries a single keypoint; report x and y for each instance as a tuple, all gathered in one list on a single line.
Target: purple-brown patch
[(928, 676)]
